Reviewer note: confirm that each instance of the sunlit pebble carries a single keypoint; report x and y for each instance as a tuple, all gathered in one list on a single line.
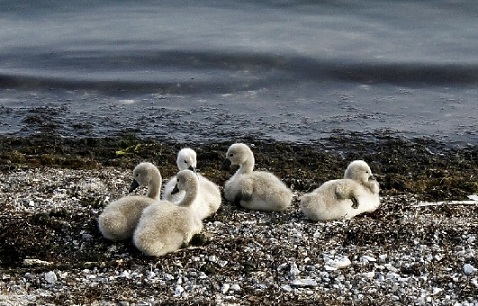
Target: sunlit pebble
[(468, 269), (369, 275), (367, 259), (294, 270), (225, 288), (178, 290), (222, 263), (338, 262), (303, 283), (50, 277)]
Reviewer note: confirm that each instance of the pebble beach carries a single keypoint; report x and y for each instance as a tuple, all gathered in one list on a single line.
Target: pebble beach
[(411, 251)]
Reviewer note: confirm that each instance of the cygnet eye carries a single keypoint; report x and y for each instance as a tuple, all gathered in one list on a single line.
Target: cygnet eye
[(231, 154), (185, 161)]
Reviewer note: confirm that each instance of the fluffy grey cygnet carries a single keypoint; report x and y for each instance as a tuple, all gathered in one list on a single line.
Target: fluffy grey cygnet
[(356, 193), (119, 219), (208, 199), (256, 190), (165, 227)]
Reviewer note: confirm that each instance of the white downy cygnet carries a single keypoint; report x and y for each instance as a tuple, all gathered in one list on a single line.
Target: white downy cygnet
[(119, 219), (256, 190), (208, 199), (356, 193), (165, 227), (186, 160)]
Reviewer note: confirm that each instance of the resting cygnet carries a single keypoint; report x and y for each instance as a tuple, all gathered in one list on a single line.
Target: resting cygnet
[(208, 199), (186, 160), (165, 227), (356, 193), (118, 220), (257, 190)]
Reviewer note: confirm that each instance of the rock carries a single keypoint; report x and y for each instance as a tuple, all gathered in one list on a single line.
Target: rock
[(35, 262), (50, 277), (225, 288), (369, 275), (338, 262), (436, 290), (286, 288), (293, 270), (468, 269), (367, 259), (304, 283), (390, 267), (178, 290)]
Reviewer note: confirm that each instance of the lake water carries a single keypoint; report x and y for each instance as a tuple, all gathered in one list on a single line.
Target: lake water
[(203, 71)]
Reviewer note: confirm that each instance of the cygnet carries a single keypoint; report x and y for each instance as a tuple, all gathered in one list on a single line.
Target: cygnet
[(208, 199), (186, 160), (356, 193), (256, 190), (165, 227), (119, 219)]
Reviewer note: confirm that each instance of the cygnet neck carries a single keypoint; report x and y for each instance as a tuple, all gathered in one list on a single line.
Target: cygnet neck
[(190, 195), (154, 187), (248, 165)]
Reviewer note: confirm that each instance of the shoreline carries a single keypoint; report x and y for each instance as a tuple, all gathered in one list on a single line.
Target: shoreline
[(435, 170)]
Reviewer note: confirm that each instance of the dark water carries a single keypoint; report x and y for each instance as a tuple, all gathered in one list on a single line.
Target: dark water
[(208, 70)]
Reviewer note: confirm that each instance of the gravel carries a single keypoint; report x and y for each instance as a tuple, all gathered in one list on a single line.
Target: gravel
[(52, 252)]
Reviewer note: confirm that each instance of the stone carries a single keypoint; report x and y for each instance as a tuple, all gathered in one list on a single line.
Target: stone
[(468, 269), (304, 283), (51, 278)]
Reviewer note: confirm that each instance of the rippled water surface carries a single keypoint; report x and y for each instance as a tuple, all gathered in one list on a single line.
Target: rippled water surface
[(208, 70)]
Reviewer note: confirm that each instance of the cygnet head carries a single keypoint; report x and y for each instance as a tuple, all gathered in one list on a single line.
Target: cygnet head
[(238, 154), (186, 159), (360, 171), (185, 179), (144, 174)]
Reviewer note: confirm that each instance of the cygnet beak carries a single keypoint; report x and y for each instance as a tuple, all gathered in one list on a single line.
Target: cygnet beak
[(193, 170), (134, 185), (226, 164), (175, 190), (371, 178)]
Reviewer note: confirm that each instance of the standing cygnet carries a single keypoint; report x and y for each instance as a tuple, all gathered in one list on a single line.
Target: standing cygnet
[(208, 199), (356, 193), (165, 227), (258, 190), (118, 220)]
